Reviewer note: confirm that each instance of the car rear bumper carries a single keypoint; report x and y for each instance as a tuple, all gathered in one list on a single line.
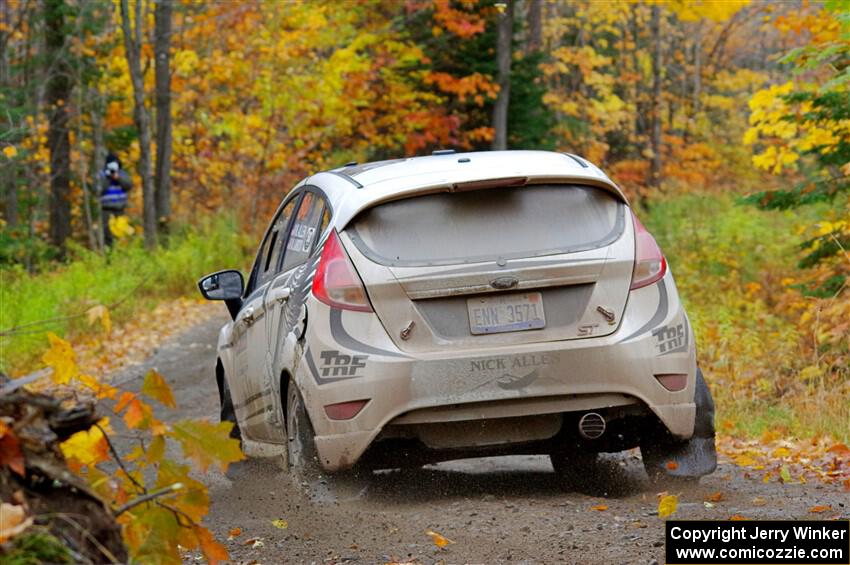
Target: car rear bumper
[(587, 374)]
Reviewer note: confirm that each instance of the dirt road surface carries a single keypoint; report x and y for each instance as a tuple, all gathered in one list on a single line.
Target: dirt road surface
[(498, 510)]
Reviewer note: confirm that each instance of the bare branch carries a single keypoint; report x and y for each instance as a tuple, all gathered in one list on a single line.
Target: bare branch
[(148, 497)]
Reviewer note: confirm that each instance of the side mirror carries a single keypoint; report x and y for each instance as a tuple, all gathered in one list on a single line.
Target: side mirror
[(224, 285)]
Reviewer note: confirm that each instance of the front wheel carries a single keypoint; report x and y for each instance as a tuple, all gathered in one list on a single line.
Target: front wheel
[(227, 413)]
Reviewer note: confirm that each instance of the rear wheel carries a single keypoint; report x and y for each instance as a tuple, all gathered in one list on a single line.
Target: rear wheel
[(672, 461), (574, 469), (302, 458)]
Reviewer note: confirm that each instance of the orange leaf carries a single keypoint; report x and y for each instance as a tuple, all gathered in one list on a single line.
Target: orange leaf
[(13, 521), (736, 517), (212, 549), (599, 508), (136, 414), (839, 449), (438, 539), (123, 401), (820, 508), (155, 386), (715, 497), (234, 533), (671, 465)]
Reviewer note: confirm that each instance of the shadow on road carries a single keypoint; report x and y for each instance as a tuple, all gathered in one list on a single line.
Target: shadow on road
[(498, 477)]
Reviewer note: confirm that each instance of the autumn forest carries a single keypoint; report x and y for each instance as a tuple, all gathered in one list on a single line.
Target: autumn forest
[(726, 122)]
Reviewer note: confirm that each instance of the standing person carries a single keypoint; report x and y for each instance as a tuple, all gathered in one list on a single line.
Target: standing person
[(114, 183)]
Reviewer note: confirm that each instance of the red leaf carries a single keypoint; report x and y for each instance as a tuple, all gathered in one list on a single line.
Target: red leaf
[(10, 453)]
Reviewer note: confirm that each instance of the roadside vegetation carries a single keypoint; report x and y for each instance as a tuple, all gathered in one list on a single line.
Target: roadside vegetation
[(770, 351), (726, 122), (77, 298)]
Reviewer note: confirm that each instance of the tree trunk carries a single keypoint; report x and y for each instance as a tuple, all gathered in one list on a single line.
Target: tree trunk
[(59, 86), (504, 47), (10, 169), (98, 158), (535, 26), (697, 71), (133, 48), (162, 173), (655, 170)]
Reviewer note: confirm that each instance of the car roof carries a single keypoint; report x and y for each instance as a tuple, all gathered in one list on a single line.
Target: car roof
[(355, 187)]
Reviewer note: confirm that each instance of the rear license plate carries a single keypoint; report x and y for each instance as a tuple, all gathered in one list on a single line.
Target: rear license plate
[(506, 313)]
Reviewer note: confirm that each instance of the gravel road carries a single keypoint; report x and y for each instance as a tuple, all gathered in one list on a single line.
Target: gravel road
[(498, 510)]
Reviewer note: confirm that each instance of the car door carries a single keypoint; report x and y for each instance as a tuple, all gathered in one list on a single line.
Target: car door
[(249, 384), (284, 303)]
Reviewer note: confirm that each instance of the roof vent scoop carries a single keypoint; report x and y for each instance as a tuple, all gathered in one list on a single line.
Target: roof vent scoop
[(443, 152)]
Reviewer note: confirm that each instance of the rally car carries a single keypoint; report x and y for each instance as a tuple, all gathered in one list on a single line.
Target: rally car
[(414, 310)]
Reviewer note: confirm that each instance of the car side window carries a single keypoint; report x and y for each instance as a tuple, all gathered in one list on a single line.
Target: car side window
[(276, 241), (306, 228), (274, 238)]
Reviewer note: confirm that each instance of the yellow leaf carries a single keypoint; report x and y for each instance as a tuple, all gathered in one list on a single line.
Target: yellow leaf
[(100, 313), (759, 501), (120, 226), (820, 508), (61, 358), (781, 452), (599, 508), (155, 450), (155, 386), (667, 505), (439, 540), (745, 460), (10, 151), (280, 524), (206, 443), (88, 447)]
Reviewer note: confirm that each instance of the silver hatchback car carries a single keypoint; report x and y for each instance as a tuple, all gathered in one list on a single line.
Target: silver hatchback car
[(414, 310)]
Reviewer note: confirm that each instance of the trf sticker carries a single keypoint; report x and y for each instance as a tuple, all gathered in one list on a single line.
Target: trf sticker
[(670, 338), (336, 364)]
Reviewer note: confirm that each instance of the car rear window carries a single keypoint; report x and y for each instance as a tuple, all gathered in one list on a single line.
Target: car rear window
[(448, 228)]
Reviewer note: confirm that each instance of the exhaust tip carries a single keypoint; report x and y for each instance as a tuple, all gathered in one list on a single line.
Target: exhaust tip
[(591, 426)]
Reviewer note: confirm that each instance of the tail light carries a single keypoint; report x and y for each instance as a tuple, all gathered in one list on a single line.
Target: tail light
[(345, 410), (650, 264), (336, 282)]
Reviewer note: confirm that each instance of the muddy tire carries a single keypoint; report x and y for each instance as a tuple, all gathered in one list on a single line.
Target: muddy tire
[(228, 413), (302, 458), (684, 462), (574, 469)]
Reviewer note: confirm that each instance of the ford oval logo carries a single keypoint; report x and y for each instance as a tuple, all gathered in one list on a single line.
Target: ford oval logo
[(504, 283)]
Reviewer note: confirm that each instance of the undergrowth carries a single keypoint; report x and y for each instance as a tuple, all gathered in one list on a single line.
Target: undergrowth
[(127, 280), (770, 364)]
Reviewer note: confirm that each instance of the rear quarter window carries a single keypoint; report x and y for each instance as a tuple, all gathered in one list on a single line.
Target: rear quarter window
[(449, 228)]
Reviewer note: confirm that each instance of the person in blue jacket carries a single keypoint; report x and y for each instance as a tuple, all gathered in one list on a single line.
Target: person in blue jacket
[(114, 185)]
